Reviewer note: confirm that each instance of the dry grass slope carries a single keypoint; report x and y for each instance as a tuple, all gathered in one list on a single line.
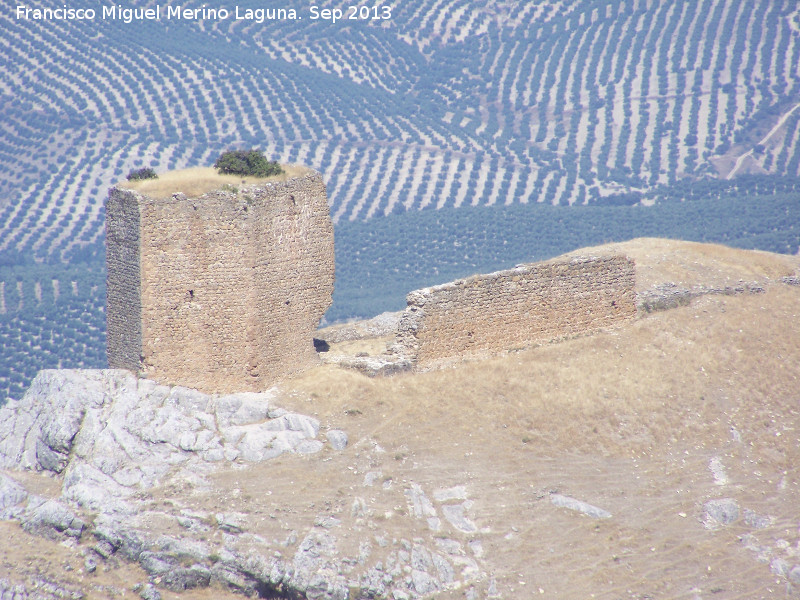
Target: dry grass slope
[(688, 264), (627, 419)]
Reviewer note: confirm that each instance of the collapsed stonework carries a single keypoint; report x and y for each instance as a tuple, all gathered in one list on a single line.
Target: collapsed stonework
[(497, 312), (222, 292)]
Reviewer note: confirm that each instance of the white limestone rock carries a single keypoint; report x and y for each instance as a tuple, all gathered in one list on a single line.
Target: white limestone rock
[(579, 506), (11, 496), (337, 438), (719, 512), (456, 516), (111, 434), (421, 507)]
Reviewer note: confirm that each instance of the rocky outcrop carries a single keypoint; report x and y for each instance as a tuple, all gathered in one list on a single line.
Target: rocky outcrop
[(382, 365), (38, 588), (109, 438), (110, 434)]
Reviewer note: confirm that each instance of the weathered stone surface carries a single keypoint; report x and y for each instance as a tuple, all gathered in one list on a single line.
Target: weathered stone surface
[(150, 592), (327, 521), (337, 439), (11, 495), (497, 312), (230, 577), (372, 584), (241, 409), (185, 547), (717, 469), (370, 477), (118, 535), (373, 366), (130, 435), (455, 515), (383, 325), (668, 295), (421, 507), (222, 293), (88, 486), (230, 522), (111, 434), (458, 492), (90, 564), (51, 519), (423, 582), (156, 563), (38, 589), (296, 422), (579, 506), (794, 575), (308, 446), (51, 413), (780, 567), (103, 549), (723, 511), (181, 579), (757, 521), (317, 547)]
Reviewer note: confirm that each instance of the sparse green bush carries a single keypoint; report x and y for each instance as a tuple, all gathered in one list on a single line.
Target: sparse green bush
[(247, 162), (143, 173)]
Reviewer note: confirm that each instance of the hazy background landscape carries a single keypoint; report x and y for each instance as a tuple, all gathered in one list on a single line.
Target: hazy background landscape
[(458, 136)]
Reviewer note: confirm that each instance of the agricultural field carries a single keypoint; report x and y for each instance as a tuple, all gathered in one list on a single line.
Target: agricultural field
[(447, 103), (50, 317), (542, 126)]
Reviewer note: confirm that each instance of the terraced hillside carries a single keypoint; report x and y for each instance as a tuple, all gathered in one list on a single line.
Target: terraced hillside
[(446, 103)]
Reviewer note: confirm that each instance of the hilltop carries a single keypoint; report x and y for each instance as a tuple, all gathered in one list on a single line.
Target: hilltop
[(691, 264), (683, 426)]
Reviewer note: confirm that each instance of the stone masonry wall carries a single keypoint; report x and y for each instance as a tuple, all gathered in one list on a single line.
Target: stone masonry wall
[(124, 285), (226, 290), (497, 312)]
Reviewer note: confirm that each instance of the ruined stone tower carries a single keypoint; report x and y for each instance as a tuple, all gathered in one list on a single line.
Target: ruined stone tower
[(221, 292)]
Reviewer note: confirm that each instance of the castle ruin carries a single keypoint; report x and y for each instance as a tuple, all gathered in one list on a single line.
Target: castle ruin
[(493, 313), (221, 292)]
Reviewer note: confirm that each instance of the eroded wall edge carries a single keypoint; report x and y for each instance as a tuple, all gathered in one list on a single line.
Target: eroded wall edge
[(123, 281)]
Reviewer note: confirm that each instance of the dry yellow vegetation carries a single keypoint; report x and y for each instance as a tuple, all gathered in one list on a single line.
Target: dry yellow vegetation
[(628, 419), (688, 264), (197, 181)]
